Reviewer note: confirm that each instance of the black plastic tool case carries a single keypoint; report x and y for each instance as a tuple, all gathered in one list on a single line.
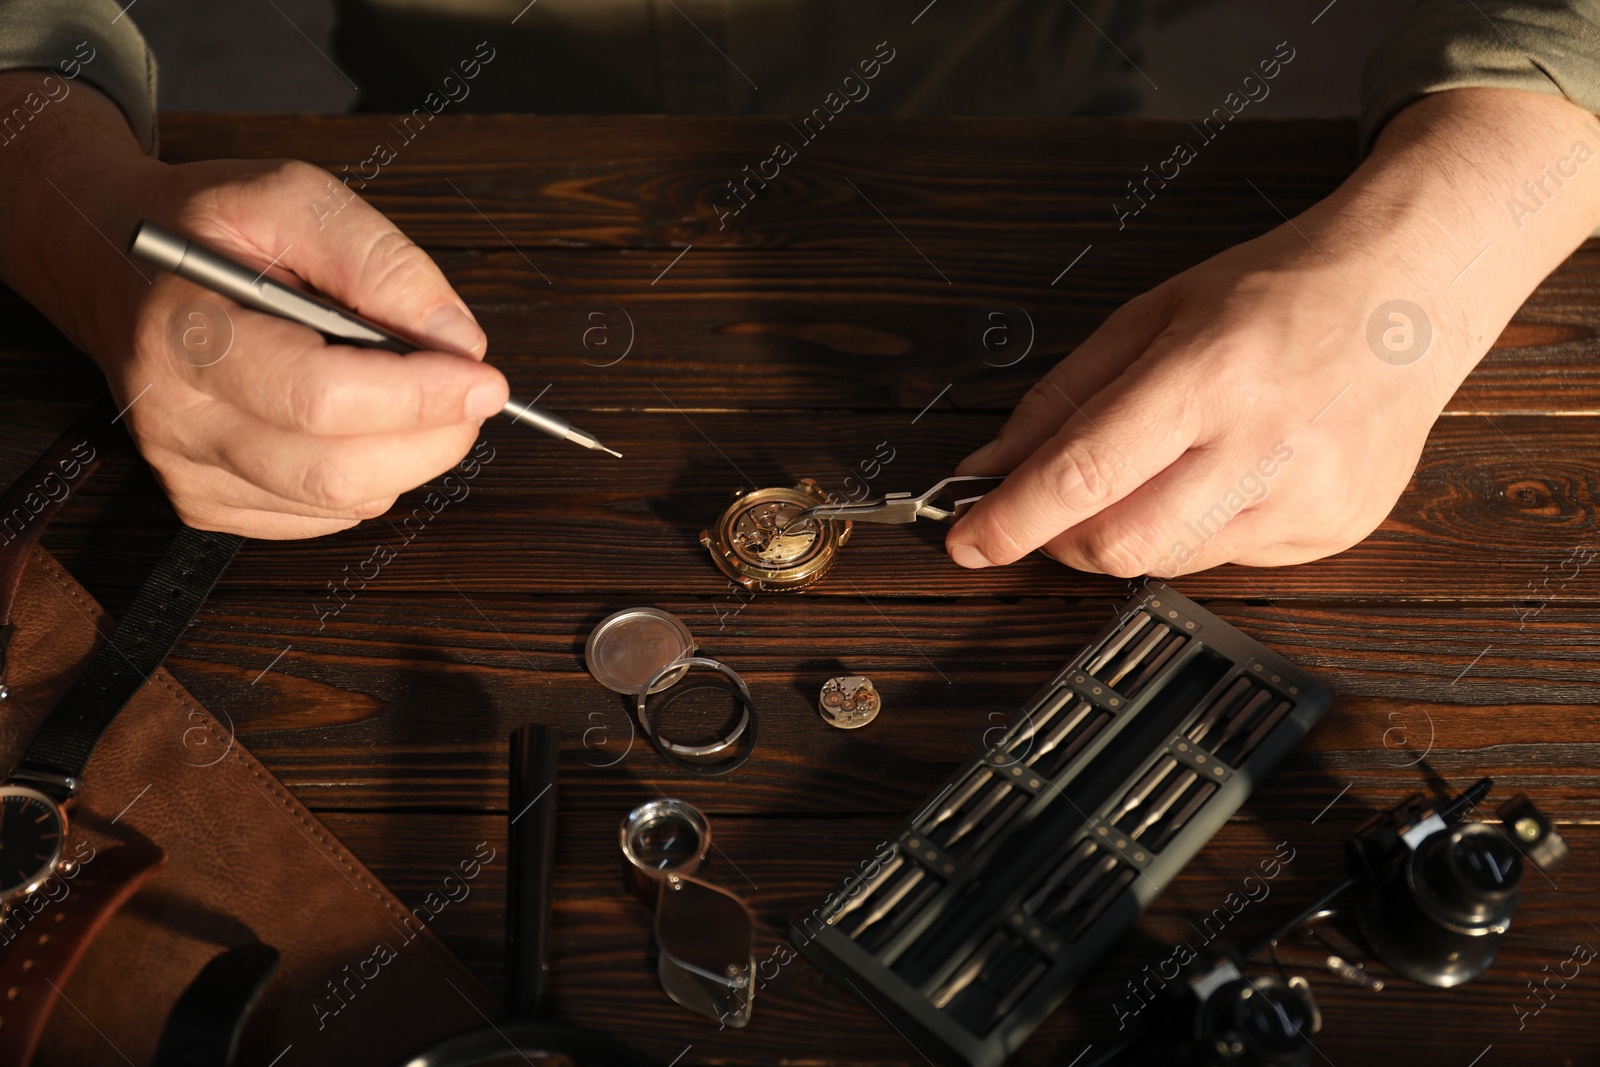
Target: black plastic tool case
[(1035, 856)]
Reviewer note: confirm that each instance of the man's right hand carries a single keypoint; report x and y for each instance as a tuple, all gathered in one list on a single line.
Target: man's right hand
[(254, 425)]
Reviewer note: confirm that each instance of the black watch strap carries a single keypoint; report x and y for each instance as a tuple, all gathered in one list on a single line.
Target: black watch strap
[(206, 1024), (163, 608)]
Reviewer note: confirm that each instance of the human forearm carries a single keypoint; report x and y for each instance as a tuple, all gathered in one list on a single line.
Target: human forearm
[(1268, 405), (67, 201), (1469, 199), (252, 424)]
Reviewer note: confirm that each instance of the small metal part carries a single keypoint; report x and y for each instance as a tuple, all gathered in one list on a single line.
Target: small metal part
[(999, 791), (1217, 709), (1138, 654), (631, 645), (676, 670), (554, 425), (978, 813), (1160, 806), (986, 952), (1535, 834), (867, 888), (1069, 865), (703, 933), (760, 542), (849, 702), (896, 895), (958, 798), (1114, 646), (904, 507), (1355, 973), (661, 838), (969, 971)]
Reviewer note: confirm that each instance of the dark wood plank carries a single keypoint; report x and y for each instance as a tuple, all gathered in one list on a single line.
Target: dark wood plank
[(863, 330), (603, 205), (1495, 512), (407, 700), (602, 975), (1459, 639), (629, 182)]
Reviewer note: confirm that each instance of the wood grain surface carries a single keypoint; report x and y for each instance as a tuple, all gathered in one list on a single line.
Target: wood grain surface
[(790, 344)]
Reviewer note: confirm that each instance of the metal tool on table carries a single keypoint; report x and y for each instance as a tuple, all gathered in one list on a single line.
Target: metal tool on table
[(704, 934), (1215, 1013), (1430, 893), (1007, 885), (529, 1036), (209, 268), (1435, 891), (1020, 750), (905, 507), (645, 653)]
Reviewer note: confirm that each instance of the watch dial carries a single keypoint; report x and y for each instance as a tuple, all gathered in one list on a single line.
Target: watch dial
[(30, 839)]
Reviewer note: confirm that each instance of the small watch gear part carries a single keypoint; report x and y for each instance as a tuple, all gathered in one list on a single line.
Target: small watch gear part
[(849, 702), (756, 544)]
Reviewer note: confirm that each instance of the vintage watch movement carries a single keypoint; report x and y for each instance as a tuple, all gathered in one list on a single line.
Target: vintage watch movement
[(756, 544)]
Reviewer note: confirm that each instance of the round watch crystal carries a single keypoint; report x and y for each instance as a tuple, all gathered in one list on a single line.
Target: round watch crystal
[(31, 830)]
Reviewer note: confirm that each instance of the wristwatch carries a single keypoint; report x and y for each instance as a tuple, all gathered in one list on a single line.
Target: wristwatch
[(34, 800), (47, 934), (758, 543)]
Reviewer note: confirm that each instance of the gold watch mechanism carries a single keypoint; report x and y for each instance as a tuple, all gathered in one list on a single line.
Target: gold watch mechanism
[(757, 543), (849, 702)]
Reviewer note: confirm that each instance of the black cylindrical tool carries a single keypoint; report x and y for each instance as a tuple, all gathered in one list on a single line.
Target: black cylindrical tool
[(528, 1034), (535, 756)]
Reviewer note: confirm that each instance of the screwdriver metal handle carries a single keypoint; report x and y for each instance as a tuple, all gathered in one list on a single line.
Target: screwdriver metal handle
[(215, 271)]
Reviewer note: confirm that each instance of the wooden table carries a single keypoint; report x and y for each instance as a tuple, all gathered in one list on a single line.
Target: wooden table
[(834, 314)]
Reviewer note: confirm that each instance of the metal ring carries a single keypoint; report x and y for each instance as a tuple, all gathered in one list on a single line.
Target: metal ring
[(667, 808), (683, 666)]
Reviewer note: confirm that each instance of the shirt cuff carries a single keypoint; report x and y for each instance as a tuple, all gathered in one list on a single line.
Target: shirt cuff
[(1538, 46), (91, 40)]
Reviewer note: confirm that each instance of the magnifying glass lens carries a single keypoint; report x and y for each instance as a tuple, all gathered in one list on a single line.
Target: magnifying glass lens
[(666, 842)]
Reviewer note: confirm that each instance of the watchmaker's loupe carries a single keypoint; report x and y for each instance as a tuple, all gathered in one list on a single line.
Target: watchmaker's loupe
[(664, 837), (703, 934)]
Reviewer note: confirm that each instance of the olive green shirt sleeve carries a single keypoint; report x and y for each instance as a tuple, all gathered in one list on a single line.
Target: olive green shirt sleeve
[(1540, 46), (93, 41)]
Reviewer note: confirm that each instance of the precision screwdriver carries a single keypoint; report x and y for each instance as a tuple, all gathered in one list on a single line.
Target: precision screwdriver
[(215, 271)]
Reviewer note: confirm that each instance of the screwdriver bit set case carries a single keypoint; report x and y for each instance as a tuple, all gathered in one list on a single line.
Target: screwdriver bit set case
[(1034, 857)]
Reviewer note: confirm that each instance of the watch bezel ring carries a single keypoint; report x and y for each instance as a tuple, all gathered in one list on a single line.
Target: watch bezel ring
[(48, 868), (683, 666)]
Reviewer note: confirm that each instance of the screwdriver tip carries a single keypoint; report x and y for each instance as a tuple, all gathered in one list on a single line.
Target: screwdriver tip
[(589, 441)]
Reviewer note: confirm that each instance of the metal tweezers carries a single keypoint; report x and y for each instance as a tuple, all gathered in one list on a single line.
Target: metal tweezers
[(900, 507)]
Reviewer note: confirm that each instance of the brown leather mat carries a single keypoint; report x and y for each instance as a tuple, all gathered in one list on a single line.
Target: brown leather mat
[(362, 980)]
